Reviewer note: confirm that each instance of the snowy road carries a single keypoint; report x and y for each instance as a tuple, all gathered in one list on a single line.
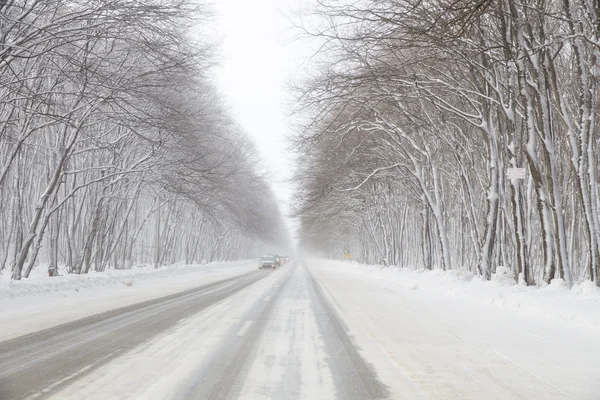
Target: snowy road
[(37, 364), (305, 331), (266, 334)]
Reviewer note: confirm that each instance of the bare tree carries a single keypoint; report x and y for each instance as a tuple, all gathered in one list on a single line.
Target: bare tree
[(115, 149), (425, 105)]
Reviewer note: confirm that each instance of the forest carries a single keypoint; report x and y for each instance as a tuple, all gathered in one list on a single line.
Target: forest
[(417, 110), (116, 149)]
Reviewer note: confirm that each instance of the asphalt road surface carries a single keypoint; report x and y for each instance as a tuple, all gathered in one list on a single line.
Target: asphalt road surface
[(287, 343)]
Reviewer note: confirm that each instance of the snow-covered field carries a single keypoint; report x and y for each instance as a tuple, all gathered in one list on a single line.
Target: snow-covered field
[(436, 335), (40, 302)]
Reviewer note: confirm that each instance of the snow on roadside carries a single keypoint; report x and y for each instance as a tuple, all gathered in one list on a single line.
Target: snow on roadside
[(436, 335), (130, 277), (580, 304), (41, 302)]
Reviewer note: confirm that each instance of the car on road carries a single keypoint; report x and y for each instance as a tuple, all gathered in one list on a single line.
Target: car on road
[(267, 262)]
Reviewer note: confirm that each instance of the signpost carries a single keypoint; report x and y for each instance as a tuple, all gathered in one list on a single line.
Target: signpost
[(515, 173), (347, 255)]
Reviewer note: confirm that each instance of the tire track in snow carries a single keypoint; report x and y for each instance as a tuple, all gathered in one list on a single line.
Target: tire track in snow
[(223, 377), (353, 377)]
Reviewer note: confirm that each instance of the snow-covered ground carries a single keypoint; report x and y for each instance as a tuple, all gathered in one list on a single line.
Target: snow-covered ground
[(40, 302), (436, 335), (580, 305)]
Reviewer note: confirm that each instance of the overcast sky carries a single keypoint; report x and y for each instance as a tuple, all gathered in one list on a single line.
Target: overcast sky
[(258, 59)]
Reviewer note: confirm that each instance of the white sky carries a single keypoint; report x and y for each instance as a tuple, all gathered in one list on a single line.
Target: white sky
[(258, 59)]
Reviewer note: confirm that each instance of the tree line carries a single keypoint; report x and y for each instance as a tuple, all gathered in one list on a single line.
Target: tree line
[(415, 114), (115, 147)]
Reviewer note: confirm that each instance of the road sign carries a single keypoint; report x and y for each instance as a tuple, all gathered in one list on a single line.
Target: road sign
[(347, 255), (515, 173)]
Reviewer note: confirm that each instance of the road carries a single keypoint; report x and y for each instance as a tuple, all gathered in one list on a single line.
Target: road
[(37, 364), (302, 331), (53, 363)]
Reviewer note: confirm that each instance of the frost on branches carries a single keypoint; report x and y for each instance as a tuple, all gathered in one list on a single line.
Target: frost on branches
[(417, 112), (114, 147)]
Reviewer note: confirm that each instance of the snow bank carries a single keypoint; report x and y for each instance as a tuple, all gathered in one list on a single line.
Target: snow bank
[(40, 284), (580, 304)]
